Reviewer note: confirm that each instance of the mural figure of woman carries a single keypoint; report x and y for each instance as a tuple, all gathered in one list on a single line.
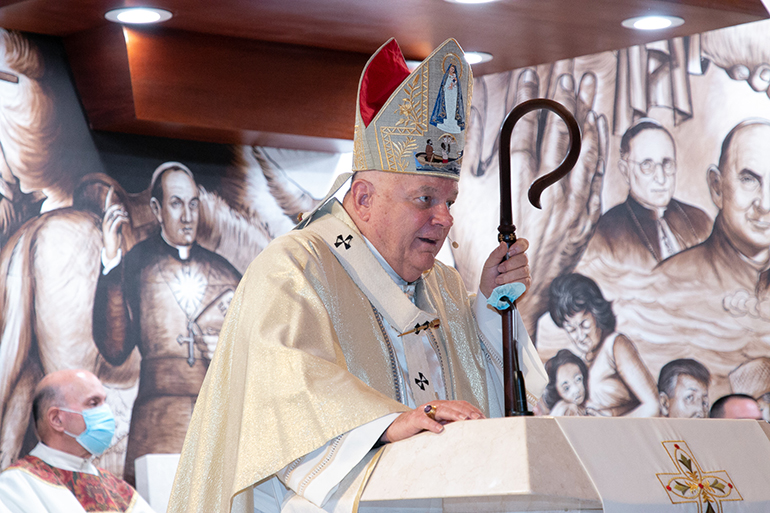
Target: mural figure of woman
[(567, 389), (448, 112), (619, 381)]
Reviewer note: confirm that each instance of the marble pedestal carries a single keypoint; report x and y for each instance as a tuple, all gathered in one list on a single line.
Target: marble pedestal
[(493, 465), (618, 465), (155, 477)]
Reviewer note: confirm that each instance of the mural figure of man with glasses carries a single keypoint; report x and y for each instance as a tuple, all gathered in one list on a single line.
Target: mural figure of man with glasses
[(650, 225)]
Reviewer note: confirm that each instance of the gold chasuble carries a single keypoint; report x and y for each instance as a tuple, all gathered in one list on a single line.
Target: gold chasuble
[(308, 360)]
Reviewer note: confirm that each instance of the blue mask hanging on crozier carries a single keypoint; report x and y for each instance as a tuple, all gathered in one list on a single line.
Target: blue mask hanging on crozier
[(100, 428)]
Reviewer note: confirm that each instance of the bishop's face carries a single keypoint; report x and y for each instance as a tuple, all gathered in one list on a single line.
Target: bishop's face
[(410, 220)]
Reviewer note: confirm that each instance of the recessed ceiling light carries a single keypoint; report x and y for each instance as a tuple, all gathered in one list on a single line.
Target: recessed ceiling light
[(470, 1), (138, 15), (652, 22), (477, 57)]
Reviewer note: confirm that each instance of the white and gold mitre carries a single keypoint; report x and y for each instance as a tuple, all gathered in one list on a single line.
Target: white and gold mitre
[(413, 122)]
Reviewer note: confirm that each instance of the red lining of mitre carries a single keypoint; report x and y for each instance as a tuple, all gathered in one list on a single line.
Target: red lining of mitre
[(385, 72)]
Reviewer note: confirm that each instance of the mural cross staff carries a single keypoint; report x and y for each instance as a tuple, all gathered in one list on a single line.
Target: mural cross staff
[(190, 341)]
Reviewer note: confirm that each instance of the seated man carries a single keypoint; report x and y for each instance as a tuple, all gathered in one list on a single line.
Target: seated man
[(683, 389), (736, 406), (346, 332), (74, 425)]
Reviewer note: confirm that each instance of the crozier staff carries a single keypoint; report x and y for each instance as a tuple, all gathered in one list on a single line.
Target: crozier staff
[(347, 333)]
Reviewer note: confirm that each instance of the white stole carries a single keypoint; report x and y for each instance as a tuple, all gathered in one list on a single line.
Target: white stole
[(390, 301)]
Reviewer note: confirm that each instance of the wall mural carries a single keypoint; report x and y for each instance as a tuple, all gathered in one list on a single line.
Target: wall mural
[(649, 263), (90, 269)]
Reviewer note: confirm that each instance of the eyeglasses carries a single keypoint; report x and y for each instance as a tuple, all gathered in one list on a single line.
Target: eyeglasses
[(647, 166)]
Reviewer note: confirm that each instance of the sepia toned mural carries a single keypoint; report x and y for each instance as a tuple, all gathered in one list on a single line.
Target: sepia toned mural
[(97, 269), (120, 254), (656, 249)]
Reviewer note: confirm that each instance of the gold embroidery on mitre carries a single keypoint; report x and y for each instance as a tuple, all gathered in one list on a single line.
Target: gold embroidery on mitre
[(403, 136), (359, 159), (399, 142), (414, 103), (692, 484)]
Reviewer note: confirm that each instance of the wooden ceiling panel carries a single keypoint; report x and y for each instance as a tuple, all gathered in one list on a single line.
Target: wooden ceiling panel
[(241, 70), (99, 62), (240, 84), (214, 88)]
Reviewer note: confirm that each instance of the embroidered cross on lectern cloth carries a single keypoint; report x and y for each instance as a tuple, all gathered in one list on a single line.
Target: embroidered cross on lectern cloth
[(708, 489)]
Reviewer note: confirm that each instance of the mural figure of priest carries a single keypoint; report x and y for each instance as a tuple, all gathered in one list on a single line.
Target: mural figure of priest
[(168, 297), (651, 225), (735, 259)]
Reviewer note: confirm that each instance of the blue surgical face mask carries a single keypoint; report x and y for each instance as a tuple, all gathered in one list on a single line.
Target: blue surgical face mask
[(100, 428)]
